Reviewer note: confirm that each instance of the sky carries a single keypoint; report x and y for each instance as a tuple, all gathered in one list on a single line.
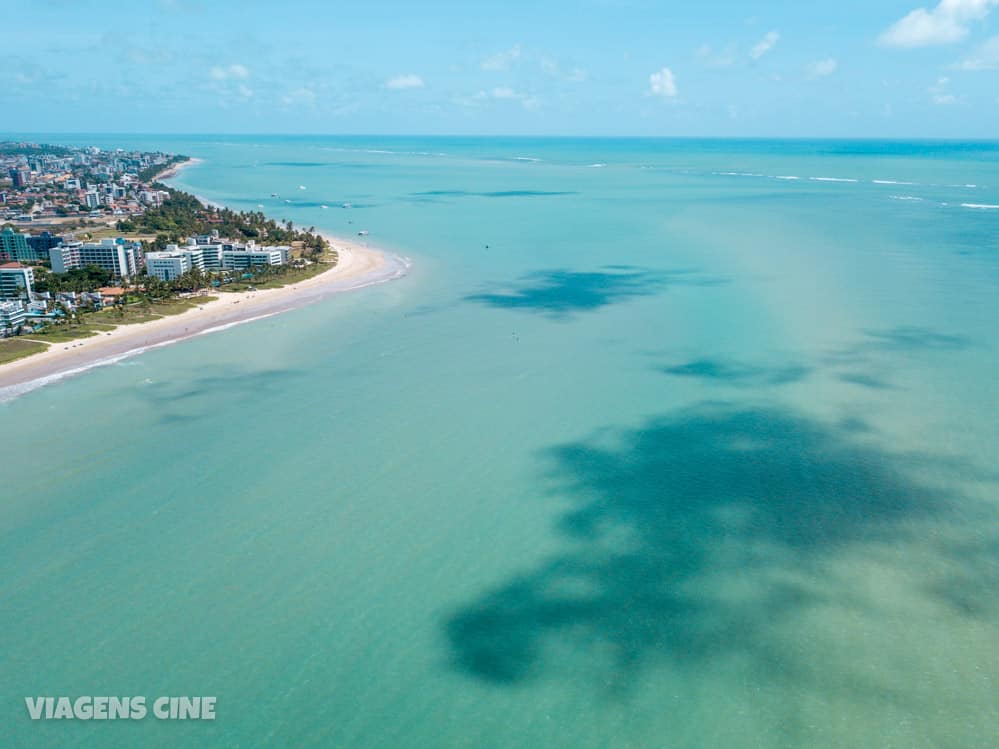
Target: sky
[(753, 68)]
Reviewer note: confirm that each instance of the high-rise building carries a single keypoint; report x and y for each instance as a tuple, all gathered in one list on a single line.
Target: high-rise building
[(16, 281), (118, 256), (42, 243), (242, 257), (15, 245), (20, 176), (168, 265)]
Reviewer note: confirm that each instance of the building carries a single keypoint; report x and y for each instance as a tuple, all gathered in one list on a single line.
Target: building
[(118, 256), (16, 281), (15, 245), (111, 294), (204, 255), (242, 257), (169, 265), (20, 176), (42, 243), (153, 197), (92, 199), (212, 238), (65, 257), (12, 317)]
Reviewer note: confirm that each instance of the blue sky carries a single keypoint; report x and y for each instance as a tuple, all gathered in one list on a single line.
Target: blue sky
[(849, 68)]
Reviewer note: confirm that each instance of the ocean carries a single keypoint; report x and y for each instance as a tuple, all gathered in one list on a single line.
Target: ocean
[(660, 443)]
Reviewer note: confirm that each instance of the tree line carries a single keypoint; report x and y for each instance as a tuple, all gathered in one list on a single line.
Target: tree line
[(183, 215)]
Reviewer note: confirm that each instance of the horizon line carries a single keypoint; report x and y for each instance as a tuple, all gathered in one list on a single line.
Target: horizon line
[(966, 139)]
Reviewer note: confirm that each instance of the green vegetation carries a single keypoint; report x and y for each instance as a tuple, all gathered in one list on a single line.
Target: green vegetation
[(63, 332), (149, 173), (15, 348), (13, 149), (183, 215), (104, 231), (140, 308), (124, 315), (90, 278), (276, 276)]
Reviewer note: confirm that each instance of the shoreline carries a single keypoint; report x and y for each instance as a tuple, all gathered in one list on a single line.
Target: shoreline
[(174, 169), (357, 266)]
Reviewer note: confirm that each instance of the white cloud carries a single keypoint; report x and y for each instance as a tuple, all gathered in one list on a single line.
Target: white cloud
[(939, 93), (552, 68), (502, 60), (245, 91), (767, 43), (225, 72), (945, 24), (501, 93), (663, 83), (822, 68), (986, 57), (712, 58), (409, 80), (302, 95)]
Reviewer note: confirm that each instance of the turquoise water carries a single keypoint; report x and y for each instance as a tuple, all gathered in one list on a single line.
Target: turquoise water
[(688, 456)]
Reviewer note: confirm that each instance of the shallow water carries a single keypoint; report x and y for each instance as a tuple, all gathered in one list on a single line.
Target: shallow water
[(665, 452)]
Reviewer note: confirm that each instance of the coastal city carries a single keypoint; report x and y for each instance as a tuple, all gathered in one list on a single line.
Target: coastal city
[(91, 239)]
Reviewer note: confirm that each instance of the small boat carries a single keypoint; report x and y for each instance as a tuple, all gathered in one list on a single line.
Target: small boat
[(324, 207), (347, 205), (301, 187), (362, 233), (287, 201), (275, 195)]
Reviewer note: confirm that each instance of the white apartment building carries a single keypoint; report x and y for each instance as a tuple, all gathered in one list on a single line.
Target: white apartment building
[(241, 257), (204, 255), (118, 256), (16, 281), (153, 197), (168, 265), (12, 317)]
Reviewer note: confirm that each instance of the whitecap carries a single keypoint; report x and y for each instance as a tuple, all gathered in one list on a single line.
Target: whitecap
[(981, 206), (831, 179)]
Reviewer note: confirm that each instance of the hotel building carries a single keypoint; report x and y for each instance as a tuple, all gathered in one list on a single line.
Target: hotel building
[(118, 256), (16, 281)]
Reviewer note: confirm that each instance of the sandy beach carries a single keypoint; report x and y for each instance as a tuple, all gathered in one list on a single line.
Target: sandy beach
[(358, 266)]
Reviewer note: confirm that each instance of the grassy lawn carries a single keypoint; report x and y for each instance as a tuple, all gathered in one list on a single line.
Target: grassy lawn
[(109, 232), (138, 312), (62, 333), (14, 348), (124, 316), (292, 276), (176, 306)]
